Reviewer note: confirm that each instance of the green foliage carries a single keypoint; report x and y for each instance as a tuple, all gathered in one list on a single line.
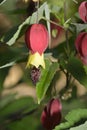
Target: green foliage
[(11, 38), (46, 78), (10, 55), (6, 100), (2, 1), (30, 122), (20, 113), (81, 127), (72, 118), (3, 74), (79, 27), (75, 67), (16, 108), (47, 15)]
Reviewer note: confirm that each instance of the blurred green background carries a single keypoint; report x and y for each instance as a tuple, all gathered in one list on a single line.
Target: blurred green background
[(18, 102)]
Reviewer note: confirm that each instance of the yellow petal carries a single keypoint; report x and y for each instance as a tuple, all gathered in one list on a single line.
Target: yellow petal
[(36, 60)]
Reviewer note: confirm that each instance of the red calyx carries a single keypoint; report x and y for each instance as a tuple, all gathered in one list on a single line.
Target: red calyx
[(84, 46), (51, 115), (81, 46), (37, 38), (83, 11)]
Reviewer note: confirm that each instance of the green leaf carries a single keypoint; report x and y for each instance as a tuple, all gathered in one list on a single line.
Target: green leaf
[(79, 27), (2, 1), (72, 118), (6, 100), (18, 105), (30, 122), (3, 74), (9, 34), (46, 78), (57, 2), (76, 68), (17, 12), (85, 68), (7, 65), (81, 127), (47, 15), (9, 55), (30, 20)]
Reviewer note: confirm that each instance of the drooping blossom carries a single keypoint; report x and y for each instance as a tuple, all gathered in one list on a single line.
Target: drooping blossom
[(83, 11), (37, 39), (81, 46), (51, 115)]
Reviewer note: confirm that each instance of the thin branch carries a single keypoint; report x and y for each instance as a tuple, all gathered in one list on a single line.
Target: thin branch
[(37, 6), (66, 30), (52, 22)]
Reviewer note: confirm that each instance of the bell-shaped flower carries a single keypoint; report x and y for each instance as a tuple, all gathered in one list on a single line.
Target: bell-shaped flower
[(81, 46), (36, 60), (37, 39), (51, 115), (83, 11)]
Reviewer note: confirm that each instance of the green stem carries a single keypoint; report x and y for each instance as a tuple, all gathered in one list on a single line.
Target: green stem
[(37, 6), (66, 30), (52, 22), (68, 75)]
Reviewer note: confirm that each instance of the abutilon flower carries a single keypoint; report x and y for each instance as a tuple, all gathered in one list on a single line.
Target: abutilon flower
[(83, 11), (51, 115), (37, 39), (81, 46)]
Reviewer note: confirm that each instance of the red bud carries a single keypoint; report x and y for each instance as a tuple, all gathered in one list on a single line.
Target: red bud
[(81, 46), (84, 46), (51, 115), (83, 11), (79, 41), (37, 38)]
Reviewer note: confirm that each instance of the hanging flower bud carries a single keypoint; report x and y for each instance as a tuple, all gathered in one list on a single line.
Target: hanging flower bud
[(37, 38), (81, 46), (51, 115), (83, 11)]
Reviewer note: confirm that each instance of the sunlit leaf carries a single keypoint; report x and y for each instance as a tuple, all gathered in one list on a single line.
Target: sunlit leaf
[(22, 27), (79, 27), (46, 78), (80, 127), (7, 65), (47, 15), (2, 1), (85, 68), (71, 118)]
